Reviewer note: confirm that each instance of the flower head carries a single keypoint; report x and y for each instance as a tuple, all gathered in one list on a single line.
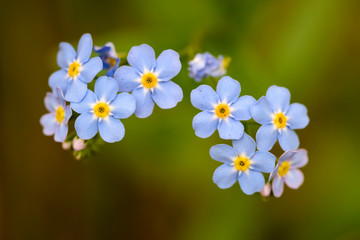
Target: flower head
[(109, 58), (149, 78), (56, 122), (243, 164), (100, 111), (287, 171), (222, 109), (279, 118), (77, 69)]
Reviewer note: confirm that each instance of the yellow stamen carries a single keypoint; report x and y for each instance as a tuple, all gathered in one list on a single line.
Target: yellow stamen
[(74, 69), (226, 62), (112, 61), (101, 110), (284, 168), (149, 80), (242, 163), (222, 110), (60, 114), (280, 120)]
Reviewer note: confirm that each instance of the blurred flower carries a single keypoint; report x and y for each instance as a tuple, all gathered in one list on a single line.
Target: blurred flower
[(221, 110), (109, 58), (287, 171), (66, 145), (56, 122), (78, 144), (278, 119), (100, 111), (243, 164), (77, 69), (265, 192), (205, 64), (149, 79)]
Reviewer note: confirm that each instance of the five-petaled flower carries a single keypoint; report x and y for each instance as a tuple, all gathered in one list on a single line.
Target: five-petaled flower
[(56, 122), (109, 58), (77, 69), (243, 164), (149, 78), (278, 118), (287, 171), (222, 109), (100, 111)]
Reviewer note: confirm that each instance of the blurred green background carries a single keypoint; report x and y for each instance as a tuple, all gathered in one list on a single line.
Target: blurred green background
[(157, 182)]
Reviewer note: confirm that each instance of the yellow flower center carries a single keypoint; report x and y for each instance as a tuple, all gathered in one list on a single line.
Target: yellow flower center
[(74, 69), (149, 80), (101, 110), (226, 62), (222, 110), (112, 61), (60, 114), (280, 120), (242, 163), (284, 168)]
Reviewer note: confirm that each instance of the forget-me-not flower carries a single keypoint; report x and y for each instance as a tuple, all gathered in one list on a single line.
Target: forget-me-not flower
[(279, 118), (287, 171), (221, 110), (56, 122), (243, 164), (77, 69), (149, 78), (100, 111), (109, 58)]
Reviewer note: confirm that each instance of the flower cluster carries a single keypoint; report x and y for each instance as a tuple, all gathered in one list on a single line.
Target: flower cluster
[(223, 110)]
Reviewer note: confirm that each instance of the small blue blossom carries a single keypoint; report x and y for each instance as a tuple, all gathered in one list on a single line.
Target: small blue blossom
[(205, 64), (243, 164), (77, 69), (109, 58), (149, 78), (221, 110), (287, 171), (279, 118), (56, 122), (100, 111)]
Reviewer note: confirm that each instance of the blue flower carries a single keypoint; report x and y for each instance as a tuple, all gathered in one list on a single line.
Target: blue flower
[(149, 79), (205, 64), (56, 122), (100, 111), (243, 164), (222, 109), (278, 118), (287, 171), (77, 69), (109, 58)]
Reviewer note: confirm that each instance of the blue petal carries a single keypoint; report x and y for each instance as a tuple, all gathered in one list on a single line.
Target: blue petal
[(297, 116), (168, 65), (278, 186), (279, 98), (49, 123), (289, 140), (228, 89), (51, 102), (205, 124), (65, 55), (294, 178), (61, 133), (142, 58), (144, 102), (263, 162), (90, 69), (204, 98), (59, 79), (84, 48), (86, 103), (128, 78), (106, 88), (241, 108), (76, 91), (266, 137), (60, 96), (261, 111), (251, 182), (245, 145), (167, 94), (299, 159), (68, 113), (111, 130), (225, 176), (274, 172), (222, 153), (230, 129), (123, 105), (86, 125)]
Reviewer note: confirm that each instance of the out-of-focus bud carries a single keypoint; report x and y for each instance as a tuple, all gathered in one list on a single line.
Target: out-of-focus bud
[(265, 192), (78, 144), (66, 145)]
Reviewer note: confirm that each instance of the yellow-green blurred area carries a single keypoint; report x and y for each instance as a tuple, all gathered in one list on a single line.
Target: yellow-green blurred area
[(157, 182)]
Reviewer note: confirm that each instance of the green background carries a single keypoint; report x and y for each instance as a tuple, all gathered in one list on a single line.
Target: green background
[(157, 182)]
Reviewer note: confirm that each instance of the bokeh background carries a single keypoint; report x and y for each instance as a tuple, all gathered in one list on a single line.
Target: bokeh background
[(157, 182)]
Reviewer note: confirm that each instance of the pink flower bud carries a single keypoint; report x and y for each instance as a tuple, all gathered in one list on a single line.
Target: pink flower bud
[(66, 145), (265, 192), (78, 144)]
